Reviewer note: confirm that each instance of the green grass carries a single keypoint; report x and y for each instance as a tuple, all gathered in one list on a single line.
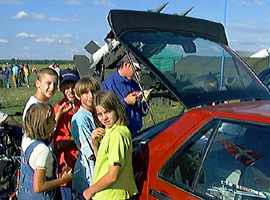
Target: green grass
[(13, 100)]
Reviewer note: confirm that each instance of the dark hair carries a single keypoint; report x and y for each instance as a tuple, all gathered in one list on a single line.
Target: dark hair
[(109, 101)]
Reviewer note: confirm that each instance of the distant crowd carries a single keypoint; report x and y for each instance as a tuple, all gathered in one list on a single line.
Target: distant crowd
[(16, 75)]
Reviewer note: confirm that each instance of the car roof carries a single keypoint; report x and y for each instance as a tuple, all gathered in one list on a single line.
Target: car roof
[(256, 111), (130, 20)]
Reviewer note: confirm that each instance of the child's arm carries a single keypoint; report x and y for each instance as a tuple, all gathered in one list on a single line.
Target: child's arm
[(40, 185), (108, 179), (61, 110)]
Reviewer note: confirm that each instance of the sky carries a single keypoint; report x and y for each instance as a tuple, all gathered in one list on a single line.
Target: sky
[(58, 29)]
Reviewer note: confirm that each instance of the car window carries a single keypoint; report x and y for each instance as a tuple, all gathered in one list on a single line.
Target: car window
[(198, 71), (183, 166), (235, 165)]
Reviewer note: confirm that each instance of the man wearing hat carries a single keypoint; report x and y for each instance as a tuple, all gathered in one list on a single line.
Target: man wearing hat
[(128, 91), (64, 146)]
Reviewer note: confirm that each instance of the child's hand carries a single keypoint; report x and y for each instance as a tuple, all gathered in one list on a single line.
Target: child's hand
[(65, 107), (66, 174), (88, 194), (97, 135)]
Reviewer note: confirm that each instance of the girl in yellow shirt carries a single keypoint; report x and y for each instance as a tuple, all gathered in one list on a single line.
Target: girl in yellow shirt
[(113, 174)]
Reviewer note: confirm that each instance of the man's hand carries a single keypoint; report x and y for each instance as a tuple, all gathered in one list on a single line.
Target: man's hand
[(131, 98)]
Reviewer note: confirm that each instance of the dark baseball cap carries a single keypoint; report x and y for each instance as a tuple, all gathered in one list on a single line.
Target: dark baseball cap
[(128, 58), (68, 75)]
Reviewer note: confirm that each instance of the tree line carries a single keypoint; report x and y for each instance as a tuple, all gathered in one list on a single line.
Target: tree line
[(30, 61)]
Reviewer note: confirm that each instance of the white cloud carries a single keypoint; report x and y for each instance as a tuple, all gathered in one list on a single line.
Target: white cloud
[(3, 40), (25, 35), (73, 2), (103, 3), (58, 19), (38, 16), (75, 50), (248, 36), (55, 39), (21, 14), (67, 35), (45, 40), (250, 2)]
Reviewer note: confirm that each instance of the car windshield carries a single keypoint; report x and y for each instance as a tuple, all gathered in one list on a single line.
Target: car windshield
[(196, 70)]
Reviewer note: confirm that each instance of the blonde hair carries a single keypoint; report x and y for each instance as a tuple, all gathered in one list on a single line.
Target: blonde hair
[(85, 84), (36, 120), (46, 70), (109, 101)]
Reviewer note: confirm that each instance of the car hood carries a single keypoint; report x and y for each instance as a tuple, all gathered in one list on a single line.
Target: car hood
[(189, 56)]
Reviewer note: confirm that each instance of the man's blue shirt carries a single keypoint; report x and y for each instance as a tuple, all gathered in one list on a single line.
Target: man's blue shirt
[(122, 86)]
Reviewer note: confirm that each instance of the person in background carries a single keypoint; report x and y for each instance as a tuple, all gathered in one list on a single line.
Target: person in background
[(15, 73), (113, 174), (20, 78), (64, 146), (46, 85), (38, 167), (26, 73), (128, 91), (83, 123), (6, 72), (55, 67), (34, 70)]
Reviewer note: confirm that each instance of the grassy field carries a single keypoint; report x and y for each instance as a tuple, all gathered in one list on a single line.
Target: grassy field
[(13, 100)]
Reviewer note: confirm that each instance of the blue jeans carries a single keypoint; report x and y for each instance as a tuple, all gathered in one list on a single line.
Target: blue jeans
[(66, 193)]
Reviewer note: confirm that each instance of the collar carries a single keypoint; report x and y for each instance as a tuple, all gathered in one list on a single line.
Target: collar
[(122, 78), (113, 127), (85, 110)]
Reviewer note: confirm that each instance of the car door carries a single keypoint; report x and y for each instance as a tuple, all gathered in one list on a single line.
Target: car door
[(176, 177), (224, 160)]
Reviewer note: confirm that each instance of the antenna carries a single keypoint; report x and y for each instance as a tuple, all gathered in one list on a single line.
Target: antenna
[(185, 12), (160, 8), (225, 12)]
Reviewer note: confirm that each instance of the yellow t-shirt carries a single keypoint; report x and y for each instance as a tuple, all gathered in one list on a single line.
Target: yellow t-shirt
[(116, 147)]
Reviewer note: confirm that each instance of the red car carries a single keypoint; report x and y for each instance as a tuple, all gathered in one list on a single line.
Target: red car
[(219, 145)]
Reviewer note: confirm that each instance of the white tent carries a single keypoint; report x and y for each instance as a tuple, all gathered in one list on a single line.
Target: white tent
[(261, 54)]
